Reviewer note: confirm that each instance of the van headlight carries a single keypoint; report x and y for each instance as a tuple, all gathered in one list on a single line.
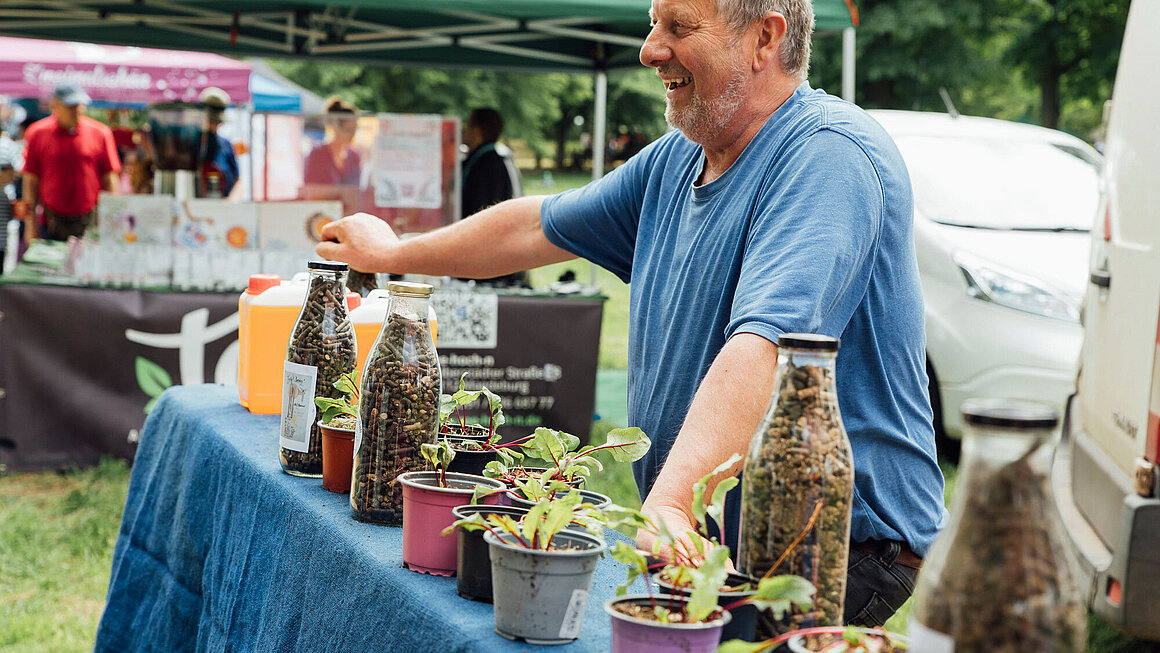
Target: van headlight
[(991, 282)]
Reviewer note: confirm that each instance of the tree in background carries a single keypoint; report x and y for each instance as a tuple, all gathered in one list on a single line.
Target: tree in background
[(1046, 61)]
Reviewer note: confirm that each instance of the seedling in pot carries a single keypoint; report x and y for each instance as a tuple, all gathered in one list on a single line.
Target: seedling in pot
[(341, 412), (542, 523), (453, 411), (697, 562), (566, 462), (440, 456), (827, 639)]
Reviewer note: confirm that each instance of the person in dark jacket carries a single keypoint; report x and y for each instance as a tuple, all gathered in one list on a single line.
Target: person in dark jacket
[(490, 175)]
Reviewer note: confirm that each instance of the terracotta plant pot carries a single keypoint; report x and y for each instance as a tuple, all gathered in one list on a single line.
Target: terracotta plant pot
[(635, 635), (337, 458), (743, 624), (798, 641), (427, 511), (472, 561), (540, 596)]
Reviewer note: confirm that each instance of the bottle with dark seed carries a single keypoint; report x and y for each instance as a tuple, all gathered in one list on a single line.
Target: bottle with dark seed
[(321, 349), (399, 408), (798, 484), (1000, 576)]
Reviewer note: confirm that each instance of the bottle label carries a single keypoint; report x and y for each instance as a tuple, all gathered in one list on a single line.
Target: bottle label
[(574, 615), (298, 410), (927, 640)]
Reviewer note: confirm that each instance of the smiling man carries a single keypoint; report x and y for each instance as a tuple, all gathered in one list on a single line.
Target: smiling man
[(771, 208)]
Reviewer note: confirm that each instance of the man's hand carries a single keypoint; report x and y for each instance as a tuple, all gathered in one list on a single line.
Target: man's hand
[(681, 526), (363, 241)]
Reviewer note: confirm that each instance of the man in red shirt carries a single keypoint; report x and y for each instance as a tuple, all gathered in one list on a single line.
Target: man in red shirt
[(69, 159)]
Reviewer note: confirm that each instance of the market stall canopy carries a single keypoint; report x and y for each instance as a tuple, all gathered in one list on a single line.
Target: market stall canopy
[(533, 35), (125, 76)]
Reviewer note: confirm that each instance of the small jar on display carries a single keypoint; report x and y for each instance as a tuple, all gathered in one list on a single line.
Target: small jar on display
[(1000, 577), (399, 409), (320, 350)]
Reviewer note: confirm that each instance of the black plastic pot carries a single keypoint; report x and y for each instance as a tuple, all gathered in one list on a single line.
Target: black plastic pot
[(743, 625), (469, 462), (473, 562)]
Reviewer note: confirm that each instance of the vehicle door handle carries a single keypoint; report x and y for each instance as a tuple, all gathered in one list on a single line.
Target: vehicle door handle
[(1101, 277)]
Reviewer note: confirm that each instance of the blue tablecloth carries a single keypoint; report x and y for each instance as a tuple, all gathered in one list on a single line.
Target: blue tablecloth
[(221, 551)]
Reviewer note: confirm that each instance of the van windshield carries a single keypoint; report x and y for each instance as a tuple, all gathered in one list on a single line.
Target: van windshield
[(1002, 184)]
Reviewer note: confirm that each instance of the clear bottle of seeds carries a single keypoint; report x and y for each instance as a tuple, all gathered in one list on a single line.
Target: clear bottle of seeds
[(399, 409), (798, 484), (321, 349), (1012, 588)]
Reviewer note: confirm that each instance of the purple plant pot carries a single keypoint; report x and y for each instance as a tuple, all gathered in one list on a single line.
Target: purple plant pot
[(426, 512), (632, 635)]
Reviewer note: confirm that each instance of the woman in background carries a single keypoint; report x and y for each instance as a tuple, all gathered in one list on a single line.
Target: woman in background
[(335, 162)]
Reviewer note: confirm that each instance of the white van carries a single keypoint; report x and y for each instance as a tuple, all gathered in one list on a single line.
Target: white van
[(1105, 473)]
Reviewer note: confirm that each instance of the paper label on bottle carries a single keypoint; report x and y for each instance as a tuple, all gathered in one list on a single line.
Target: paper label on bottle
[(298, 410), (927, 640), (574, 615)]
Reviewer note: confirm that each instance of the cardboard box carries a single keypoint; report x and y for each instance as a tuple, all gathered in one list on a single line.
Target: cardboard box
[(216, 224), (132, 219)]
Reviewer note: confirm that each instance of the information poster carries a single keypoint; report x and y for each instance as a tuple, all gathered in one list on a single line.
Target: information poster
[(408, 161)]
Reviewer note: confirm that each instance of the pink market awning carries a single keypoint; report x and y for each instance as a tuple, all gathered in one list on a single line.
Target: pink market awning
[(115, 74)]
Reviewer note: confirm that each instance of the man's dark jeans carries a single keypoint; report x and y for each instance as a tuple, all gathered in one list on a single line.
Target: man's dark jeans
[(876, 586)]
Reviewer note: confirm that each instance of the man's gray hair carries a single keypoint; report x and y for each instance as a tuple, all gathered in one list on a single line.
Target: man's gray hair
[(799, 19)]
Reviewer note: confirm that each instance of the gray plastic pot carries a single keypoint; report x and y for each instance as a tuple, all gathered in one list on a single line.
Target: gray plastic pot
[(540, 596), (633, 635)]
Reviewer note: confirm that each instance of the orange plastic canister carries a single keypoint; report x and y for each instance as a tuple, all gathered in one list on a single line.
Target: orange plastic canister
[(267, 310)]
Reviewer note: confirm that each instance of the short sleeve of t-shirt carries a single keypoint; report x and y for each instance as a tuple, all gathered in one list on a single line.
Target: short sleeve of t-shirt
[(809, 252), (33, 157), (599, 221), (110, 161)]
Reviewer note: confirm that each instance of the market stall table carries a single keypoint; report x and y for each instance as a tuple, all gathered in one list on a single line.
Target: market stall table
[(220, 550), (80, 366)]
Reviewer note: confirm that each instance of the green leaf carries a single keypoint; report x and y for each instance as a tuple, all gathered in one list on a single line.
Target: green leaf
[(152, 378), (635, 560), (779, 593), (626, 445), (546, 444), (496, 410), (707, 581), (532, 522), (716, 509), (699, 508), (742, 646), (149, 405), (473, 523), (559, 515)]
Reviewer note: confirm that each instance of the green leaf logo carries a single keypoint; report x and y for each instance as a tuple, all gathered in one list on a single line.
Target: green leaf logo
[(153, 380)]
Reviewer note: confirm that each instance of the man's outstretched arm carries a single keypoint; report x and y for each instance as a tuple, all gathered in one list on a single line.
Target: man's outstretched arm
[(499, 240), (721, 420)]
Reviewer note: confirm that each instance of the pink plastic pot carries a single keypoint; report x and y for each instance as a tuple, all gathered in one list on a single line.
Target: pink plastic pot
[(632, 635), (427, 511)]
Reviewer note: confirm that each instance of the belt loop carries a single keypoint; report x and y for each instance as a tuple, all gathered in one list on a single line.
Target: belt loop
[(890, 555)]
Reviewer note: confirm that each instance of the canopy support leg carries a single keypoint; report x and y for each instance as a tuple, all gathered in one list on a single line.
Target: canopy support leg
[(598, 140), (848, 64)]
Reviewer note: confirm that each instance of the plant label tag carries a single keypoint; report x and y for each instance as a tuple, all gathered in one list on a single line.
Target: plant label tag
[(297, 406), (574, 615), (927, 640)]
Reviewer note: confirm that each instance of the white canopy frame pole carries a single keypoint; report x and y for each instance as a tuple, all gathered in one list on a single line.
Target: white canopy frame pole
[(848, 41), (599, 118)]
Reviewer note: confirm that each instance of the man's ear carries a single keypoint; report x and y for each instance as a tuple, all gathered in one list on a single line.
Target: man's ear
[(770, 33)]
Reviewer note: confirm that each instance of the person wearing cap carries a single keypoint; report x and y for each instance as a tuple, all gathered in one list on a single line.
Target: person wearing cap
[(69, 159), (770, 208), (219, 154)]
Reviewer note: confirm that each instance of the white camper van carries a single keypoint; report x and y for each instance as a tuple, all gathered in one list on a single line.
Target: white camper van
[(1105, 472)]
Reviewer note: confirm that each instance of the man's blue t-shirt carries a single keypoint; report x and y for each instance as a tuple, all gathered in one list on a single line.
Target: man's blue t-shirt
[(810, 230)]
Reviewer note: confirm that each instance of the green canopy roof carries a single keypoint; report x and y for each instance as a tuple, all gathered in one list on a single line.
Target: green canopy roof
[(532, 35)]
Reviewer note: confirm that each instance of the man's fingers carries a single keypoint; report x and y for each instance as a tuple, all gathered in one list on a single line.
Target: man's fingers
[(332, 231), (327, 249)]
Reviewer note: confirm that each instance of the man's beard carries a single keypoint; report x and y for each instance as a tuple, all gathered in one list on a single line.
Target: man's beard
[(700, 120)]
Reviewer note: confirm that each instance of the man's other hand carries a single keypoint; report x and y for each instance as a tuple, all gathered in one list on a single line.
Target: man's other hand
[(362, 241)]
